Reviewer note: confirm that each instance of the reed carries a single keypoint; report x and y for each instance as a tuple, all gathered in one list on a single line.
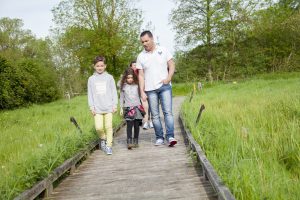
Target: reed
[(250, 133)]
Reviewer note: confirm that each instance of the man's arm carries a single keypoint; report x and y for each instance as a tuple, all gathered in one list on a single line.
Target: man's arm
[(142, 84), (171, 67)]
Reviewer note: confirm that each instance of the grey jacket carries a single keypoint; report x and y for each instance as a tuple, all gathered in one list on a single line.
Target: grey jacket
[(129, 96), (102, 93)]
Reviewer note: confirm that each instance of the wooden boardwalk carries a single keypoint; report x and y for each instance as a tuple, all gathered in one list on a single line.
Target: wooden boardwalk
[(148, 172)]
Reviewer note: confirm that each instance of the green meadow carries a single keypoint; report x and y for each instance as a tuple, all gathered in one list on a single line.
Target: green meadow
[(37, 139), (250, 132)]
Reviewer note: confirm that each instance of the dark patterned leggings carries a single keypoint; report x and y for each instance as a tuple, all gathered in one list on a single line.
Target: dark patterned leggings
[(133, 123)]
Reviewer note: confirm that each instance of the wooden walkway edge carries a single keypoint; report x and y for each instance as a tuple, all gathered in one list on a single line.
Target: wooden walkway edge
[(148, 172), (207, 169)]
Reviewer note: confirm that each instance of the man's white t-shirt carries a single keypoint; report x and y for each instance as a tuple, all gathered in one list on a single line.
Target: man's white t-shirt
[(155, 66)]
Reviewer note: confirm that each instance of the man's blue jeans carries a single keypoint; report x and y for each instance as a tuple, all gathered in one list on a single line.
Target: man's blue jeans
[(164, 96)]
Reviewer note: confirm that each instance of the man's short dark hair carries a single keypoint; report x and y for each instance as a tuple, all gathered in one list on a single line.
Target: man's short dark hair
[(98, 59), (146, 33)]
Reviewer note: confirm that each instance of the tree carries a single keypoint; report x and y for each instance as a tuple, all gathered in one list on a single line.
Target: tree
[(86, 28), (236, 20), (275, 29), (27, 72), (195, 22), (13, 38)]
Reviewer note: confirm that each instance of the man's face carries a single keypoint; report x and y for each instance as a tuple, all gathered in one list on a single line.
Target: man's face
[(148, 42), (100, 67)]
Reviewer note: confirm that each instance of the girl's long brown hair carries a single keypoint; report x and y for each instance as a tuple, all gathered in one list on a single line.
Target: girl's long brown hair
[(127, 72)]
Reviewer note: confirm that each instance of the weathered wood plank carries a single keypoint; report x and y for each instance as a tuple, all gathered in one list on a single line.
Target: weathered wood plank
[(147, 172)]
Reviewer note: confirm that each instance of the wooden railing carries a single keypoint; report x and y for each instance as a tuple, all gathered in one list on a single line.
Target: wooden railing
[(45, 187), (207, 169)]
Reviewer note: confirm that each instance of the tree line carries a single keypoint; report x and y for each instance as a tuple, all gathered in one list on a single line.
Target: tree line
[(235, 38), (27, 73), (42, 70), (216, 40)]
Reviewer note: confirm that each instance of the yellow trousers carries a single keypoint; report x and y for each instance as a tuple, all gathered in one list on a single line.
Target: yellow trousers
[(103, 125)]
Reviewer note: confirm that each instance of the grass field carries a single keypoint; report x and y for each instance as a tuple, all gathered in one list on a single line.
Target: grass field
[(35, 140), (250, 132)]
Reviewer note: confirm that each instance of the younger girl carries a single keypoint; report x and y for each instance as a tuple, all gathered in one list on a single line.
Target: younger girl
[(147, 122), (131, 106)]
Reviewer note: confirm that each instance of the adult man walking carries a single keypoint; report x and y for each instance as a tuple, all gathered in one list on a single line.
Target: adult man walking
[(156, 68)]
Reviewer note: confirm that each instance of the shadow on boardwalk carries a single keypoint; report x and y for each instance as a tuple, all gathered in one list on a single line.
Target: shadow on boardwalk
[(147, 172)]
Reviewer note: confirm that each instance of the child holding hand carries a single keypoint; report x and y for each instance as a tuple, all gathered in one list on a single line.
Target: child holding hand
[(131, 106)]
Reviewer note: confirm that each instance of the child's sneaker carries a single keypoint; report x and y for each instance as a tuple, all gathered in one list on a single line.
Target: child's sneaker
[(145, 126), (108, 150), (103, 145), (172, 141), (150, 124), (135, 142)]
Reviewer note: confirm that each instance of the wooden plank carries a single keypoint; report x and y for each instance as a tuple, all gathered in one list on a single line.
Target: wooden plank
[(148, 172), (46, 185)]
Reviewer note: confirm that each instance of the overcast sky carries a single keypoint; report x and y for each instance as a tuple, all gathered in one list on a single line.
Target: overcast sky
[(37, 16)]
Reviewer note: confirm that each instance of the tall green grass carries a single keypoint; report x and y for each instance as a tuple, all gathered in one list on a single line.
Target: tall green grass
[(35, 140), (182, 89), (250, 132)]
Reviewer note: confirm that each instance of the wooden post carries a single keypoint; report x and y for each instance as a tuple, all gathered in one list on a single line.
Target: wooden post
[(73, 120), (68, 96), (48, 190), (202, 107), (199, 86), (192, 95), (193, 92), (72, 169)]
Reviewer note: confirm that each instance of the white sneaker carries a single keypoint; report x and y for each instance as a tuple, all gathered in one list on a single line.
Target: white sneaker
[(150, 124), (172, 141), (146, 126), (108, 150), (159, 142), (103, 145)]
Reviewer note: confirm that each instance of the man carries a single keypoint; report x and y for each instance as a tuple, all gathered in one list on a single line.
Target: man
[(156, 68)]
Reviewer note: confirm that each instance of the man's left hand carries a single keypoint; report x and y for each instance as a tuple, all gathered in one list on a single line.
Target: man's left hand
[(166, 81)]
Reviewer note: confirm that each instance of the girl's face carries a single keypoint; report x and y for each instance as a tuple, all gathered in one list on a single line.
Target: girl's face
[(129, 79), (133, 66), (100, 67)]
